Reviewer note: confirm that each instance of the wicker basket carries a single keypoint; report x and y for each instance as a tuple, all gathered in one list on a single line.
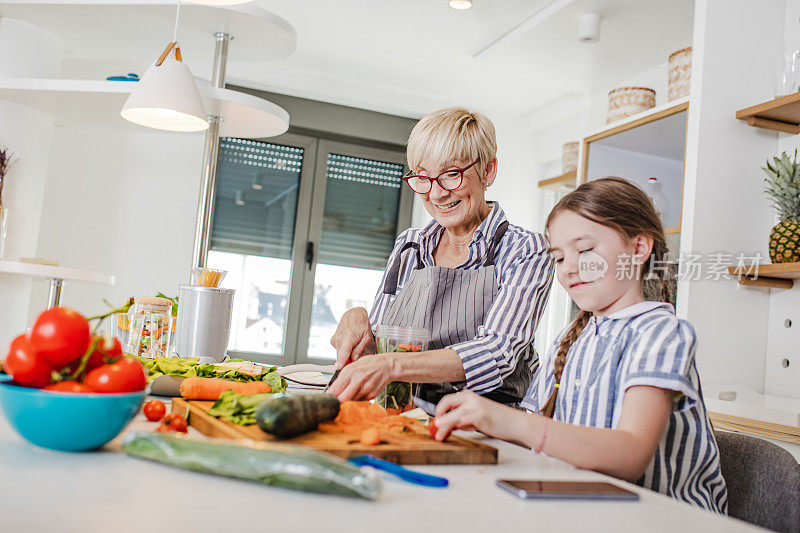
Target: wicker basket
[(569, 157), (680, 73), (626, 101)]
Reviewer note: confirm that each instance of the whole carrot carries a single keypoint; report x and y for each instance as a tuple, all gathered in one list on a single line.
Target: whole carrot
[(196, 388)]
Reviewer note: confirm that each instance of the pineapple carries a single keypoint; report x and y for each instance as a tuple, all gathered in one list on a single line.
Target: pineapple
[(783, 189)]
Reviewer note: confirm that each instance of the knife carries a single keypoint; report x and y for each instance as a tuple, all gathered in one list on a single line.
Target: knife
[(336, 374)]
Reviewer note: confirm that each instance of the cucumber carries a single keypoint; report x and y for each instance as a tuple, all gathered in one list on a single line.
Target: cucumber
[(287, 415), (281, 465)]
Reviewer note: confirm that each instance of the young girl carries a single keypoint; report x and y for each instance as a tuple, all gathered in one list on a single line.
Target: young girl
[(618, 391)]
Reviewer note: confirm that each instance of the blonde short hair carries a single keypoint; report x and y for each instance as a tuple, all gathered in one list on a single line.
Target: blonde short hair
[(449, 134)]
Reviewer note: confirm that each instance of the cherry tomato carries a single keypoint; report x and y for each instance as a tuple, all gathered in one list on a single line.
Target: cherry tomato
[(126, 375), (173, 422), (68, 386), (154, 410), (433, 428), (25, 364), (61, 336)]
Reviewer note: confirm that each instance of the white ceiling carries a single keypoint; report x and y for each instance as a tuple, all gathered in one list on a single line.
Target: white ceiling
[(411, 56)]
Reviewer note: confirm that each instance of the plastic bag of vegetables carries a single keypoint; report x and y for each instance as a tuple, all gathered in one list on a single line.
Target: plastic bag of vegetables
[(282, 465)]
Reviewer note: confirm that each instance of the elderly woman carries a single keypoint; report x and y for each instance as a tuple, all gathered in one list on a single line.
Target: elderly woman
[(476, 282)]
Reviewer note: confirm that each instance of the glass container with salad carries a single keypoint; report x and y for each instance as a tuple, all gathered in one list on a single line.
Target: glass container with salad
[(151, 327), (397, 396)]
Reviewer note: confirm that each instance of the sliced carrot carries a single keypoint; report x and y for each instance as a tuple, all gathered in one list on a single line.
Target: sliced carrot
[(196, 388), (370, 437)]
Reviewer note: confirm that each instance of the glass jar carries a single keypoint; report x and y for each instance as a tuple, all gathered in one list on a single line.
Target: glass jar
[(397, 397), (151, 327)]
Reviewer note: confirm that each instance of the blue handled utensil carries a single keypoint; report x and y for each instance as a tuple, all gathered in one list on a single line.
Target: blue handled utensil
[(418, 478)]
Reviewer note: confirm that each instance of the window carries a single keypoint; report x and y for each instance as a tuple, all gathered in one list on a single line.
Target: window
[(304, 227)]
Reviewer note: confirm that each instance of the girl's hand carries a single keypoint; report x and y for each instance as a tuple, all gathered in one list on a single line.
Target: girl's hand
[(364, 379), (466, 410), (353, 337)]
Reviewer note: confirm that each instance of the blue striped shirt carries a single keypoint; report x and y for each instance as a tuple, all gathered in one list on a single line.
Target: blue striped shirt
[(524, 271), (644, 344)]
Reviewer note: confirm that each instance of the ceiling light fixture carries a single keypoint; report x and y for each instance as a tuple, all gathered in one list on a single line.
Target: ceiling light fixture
[(166, 98), (589, 27), (460, 4)]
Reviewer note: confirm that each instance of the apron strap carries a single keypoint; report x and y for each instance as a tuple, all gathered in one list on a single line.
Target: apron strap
[(498, 236), (390, 286)]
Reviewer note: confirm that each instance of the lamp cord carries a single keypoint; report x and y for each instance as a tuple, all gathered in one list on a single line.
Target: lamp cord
[(177, 18)]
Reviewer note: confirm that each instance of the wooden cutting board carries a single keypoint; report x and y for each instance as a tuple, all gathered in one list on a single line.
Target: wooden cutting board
[(400, 449)]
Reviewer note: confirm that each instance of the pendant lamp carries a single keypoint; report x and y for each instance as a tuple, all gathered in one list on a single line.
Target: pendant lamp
[(166, 97)]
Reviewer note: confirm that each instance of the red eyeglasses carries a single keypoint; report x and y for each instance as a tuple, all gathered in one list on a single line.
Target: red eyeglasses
[(449, 180)]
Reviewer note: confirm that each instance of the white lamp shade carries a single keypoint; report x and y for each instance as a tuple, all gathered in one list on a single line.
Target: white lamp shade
[(166, 98)]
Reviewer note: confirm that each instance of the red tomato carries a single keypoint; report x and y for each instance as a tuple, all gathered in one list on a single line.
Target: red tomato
[(173, 422), (61, 336), (25, 364), (154, 410), (68, 386), (126, 375), (433, 428), (106, 347)]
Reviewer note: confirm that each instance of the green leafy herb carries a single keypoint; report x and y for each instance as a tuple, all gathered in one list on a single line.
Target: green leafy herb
[(237, 408)]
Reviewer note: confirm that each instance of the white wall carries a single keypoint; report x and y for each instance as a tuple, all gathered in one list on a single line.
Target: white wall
[(120, 203), (724, 209), (638, 168), (24, 51), (784, 342)]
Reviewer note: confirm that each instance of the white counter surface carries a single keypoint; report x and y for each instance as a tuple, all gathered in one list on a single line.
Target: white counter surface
[(105, 491)]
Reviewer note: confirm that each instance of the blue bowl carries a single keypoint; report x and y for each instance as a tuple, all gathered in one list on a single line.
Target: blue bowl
[(64, 421)]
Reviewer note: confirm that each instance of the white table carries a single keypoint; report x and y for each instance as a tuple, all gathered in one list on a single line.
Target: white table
[(41, 490), (56, 275)]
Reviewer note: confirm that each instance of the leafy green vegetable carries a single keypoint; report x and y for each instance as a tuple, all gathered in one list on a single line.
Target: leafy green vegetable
[(185, 367), (275, 381), (236, 408), (174, 310), (397, 394)]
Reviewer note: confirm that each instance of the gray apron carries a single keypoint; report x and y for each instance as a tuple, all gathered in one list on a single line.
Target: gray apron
[(452, 303)]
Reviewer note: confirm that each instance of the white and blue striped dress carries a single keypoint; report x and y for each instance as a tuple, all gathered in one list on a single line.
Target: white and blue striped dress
[(644, 344)]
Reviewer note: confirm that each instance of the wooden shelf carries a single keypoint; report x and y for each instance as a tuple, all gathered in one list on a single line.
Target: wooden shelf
[(781, 114), (773, 275), (758, 428), (564, 182)]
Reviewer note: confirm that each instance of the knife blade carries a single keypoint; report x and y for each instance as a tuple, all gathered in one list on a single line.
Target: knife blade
[(336, 373)]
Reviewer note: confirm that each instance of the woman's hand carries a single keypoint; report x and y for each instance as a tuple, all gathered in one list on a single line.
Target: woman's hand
[(363, 379), (466, 410), (353, 337)]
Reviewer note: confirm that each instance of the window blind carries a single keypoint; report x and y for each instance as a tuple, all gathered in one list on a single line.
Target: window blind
[(256, 197), (362, 198)]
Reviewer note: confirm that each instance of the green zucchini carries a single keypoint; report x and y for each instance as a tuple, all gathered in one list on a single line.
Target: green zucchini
[(287, 415), (281, 465)]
